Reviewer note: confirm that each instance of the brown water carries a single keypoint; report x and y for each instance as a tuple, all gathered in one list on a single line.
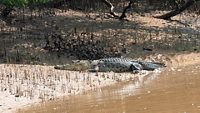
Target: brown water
[(170, 92)]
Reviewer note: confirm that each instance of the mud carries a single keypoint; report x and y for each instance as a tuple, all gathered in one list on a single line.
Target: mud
[(175, 90)]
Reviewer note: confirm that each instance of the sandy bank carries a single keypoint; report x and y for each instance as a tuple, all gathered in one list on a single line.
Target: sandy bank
[(22, 85)]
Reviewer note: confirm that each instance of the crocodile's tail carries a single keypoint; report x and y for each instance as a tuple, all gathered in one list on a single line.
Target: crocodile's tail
[(62, 67), (74, 67)]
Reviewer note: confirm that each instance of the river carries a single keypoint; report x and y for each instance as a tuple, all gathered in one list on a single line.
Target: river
[(173, 91)]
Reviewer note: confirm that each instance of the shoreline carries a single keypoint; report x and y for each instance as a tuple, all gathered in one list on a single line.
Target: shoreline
[(31, 84), (24, 85)]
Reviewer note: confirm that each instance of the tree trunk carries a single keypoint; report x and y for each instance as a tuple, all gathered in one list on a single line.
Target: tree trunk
[(125, 10), (177, 11)]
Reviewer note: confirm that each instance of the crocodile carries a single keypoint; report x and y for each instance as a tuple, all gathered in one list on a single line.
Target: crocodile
[(111, 64)]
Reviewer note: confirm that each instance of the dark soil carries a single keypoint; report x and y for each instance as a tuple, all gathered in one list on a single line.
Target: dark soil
[(52, 36)]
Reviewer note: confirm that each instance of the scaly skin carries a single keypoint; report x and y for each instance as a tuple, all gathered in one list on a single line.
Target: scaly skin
[(111, 64)]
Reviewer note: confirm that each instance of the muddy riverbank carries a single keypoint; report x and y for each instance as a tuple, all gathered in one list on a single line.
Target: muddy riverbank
[(175, 90), (23, 85)]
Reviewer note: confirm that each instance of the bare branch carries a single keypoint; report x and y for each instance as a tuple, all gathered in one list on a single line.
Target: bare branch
[(125, 10), (123, 15), (177, 11), (109, 4)]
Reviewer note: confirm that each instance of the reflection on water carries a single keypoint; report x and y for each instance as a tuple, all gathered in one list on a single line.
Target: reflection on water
[(174, 91)]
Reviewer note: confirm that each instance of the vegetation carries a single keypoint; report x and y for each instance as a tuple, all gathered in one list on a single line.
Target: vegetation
[(22, 3), (57, 32), (100, 28), (76, 4)]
